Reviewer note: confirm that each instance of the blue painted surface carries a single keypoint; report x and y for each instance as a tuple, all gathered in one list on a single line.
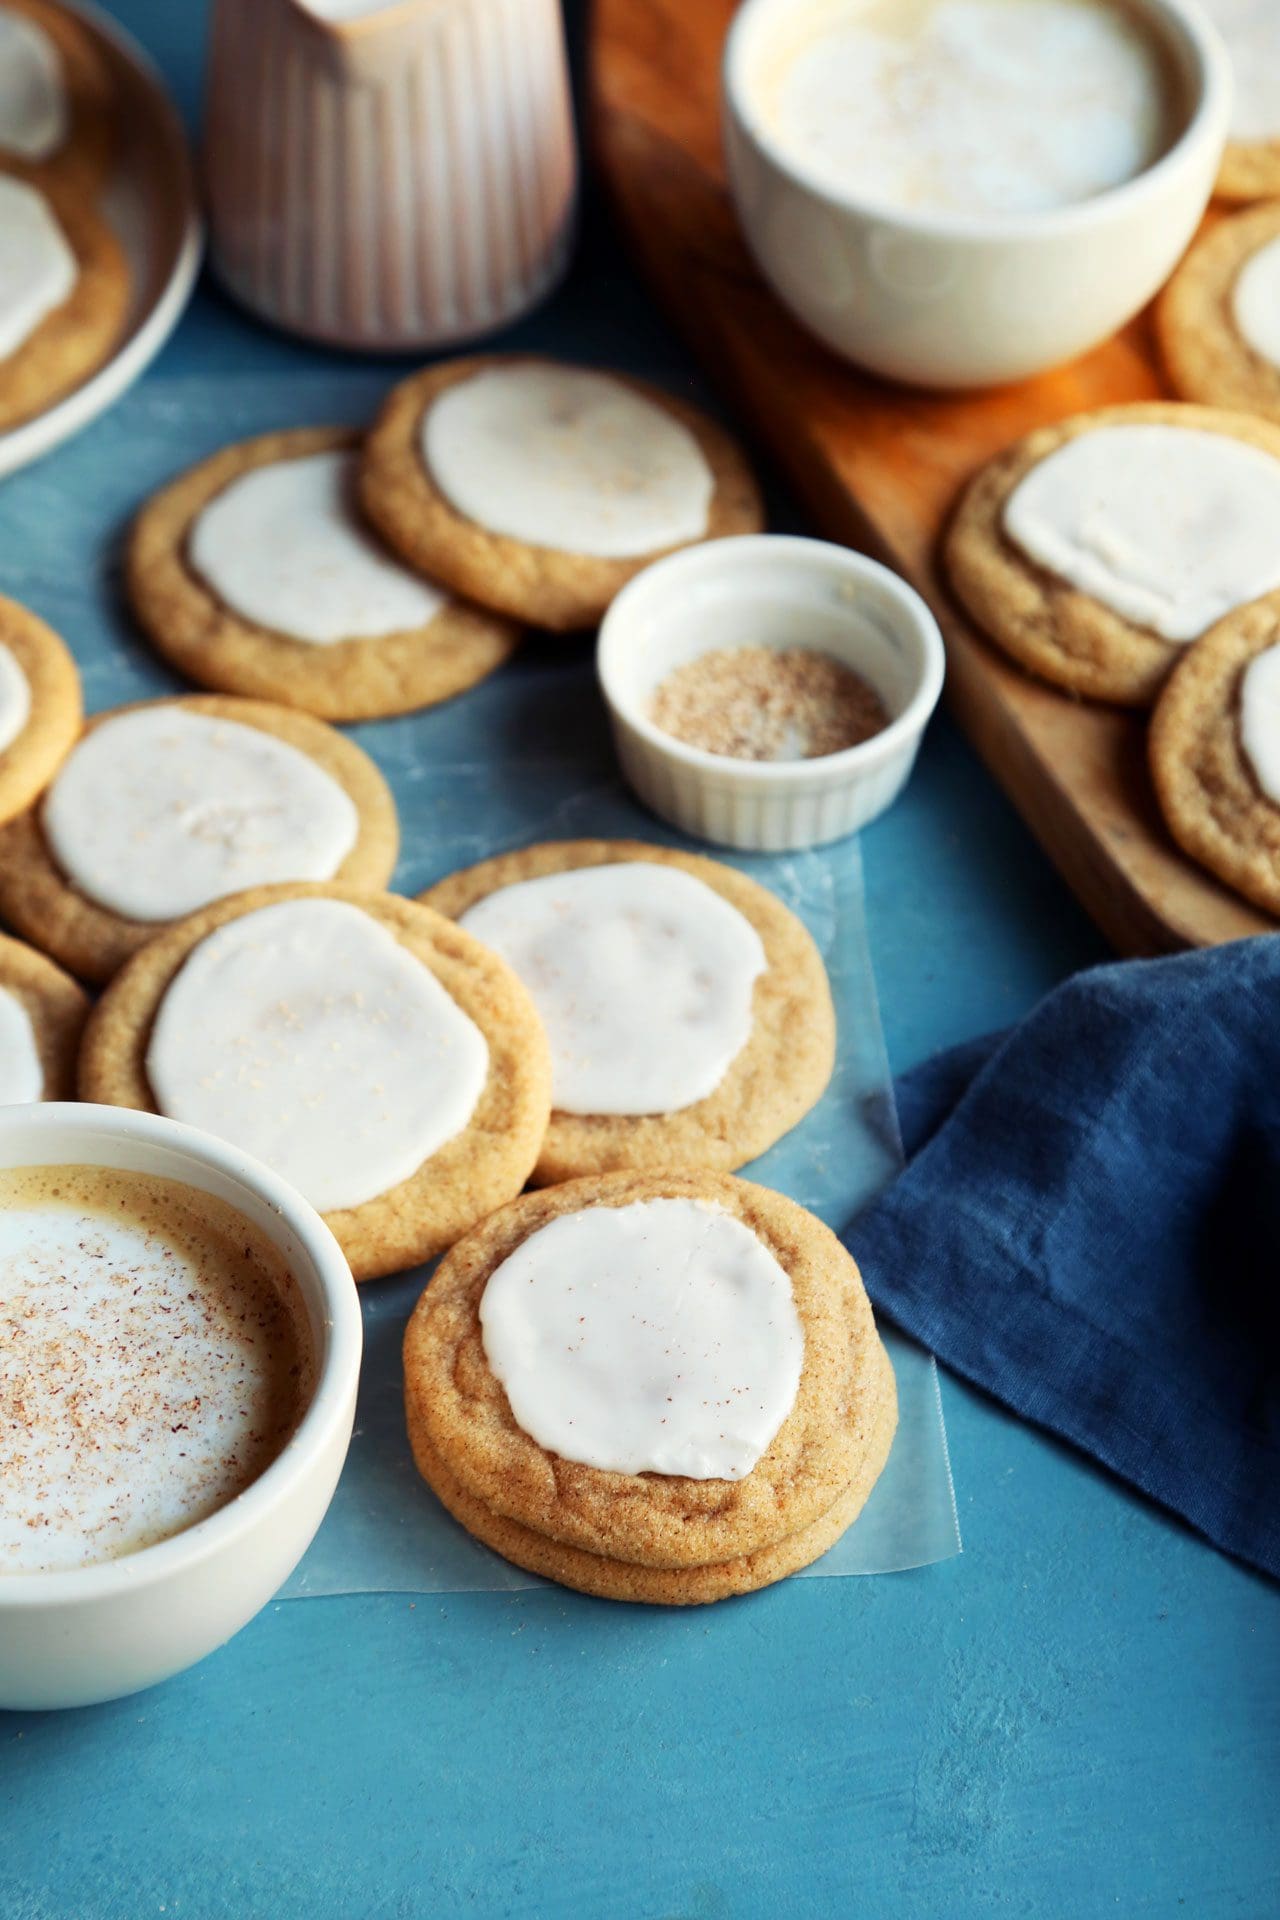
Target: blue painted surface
[(1078, 1717)]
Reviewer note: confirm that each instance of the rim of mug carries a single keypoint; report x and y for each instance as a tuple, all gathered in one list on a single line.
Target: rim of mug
[(1207, 120), (337, 1362)]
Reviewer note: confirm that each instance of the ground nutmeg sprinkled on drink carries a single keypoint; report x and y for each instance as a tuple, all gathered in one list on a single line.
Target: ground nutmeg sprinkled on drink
[(765, 703)]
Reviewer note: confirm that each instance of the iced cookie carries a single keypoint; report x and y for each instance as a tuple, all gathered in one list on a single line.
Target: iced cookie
[(1094, 551), (253, 573), (1218, 319), (688, 1010), (167, 806), (64, 290), (40, 706), (1251, 164), (654, 1388), (1215, 752), (58, 109), (539, 489), (42, 1015), (384, 1062)]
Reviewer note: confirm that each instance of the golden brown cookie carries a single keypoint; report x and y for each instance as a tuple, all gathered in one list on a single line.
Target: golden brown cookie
[(479, 1169), (610, 1579), (1207, 788), (778, 1076), (80, 165), (360, 679), (73, 341), (613, 1533), (1047, 625), (56, 1007), (38, 899), (52, 727), (1206, 356), (543, 585), (1250, 170)]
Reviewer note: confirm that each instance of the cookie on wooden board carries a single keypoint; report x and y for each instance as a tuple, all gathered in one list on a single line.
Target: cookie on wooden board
[(1091, 551), (1215, 752)]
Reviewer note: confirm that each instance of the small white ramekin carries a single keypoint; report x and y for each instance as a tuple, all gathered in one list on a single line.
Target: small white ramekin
[(776, 591), (94, 1633), (949, 301)]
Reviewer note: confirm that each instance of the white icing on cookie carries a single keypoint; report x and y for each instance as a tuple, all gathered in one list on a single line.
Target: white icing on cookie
[(1170, 527), (282, 546), (34, 117), (660, 1337), (21, 1075), (971, 107), (37, 267), (1255, 302), (560, 457), (309, 1036), (1251, 29), (15, 699), (642, 974), (1260, 720), (159, 811)]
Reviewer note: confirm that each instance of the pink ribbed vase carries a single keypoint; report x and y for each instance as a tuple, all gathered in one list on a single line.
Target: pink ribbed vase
[(395, 175)]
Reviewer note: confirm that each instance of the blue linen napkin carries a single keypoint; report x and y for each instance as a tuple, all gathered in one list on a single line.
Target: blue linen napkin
[(1089, 1228)]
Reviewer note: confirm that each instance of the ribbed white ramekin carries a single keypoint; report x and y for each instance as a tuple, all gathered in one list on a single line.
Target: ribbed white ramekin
[(776, 591)]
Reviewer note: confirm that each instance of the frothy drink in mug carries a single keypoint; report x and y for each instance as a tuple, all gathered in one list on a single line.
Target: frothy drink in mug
[(155, 1358), (986, 108)]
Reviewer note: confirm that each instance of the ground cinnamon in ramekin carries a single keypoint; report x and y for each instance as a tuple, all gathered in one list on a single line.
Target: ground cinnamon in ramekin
[(762, 703)]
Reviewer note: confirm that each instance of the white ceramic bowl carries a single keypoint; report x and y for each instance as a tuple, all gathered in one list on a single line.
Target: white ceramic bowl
[(945, 301), (775, 591), (93, 1633)]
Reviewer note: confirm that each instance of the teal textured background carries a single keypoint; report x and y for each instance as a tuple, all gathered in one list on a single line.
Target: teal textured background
[(1079, 1717)]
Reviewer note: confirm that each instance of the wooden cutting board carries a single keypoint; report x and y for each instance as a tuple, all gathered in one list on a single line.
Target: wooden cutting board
[(878, 467)]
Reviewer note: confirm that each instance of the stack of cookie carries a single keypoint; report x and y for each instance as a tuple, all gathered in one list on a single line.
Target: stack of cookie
[(655, 1388), (66, 282)]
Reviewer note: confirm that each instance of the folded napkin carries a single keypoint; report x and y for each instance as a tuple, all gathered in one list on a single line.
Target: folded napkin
[(1089, 1228)]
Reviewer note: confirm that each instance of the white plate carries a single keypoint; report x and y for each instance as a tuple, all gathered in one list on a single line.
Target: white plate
[(150, 202)]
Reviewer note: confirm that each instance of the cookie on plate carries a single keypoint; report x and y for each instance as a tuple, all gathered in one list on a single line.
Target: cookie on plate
[(63, 300), (688, 1010), (169, 805), (1215, 752), (1095, 550), (663, 1388), (384, 1062), (539, 489), (253, 573), (42, 1015), (58, 106), (1218, 320), (40, 706)]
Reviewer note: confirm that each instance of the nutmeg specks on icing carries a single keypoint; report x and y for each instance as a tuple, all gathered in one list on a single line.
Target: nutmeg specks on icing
[(658, 1337)]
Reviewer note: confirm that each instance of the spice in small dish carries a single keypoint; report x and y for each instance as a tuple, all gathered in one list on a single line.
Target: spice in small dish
[(766, 703)]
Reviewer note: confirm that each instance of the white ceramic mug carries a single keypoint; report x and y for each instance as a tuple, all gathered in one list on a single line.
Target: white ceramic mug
[(93, 1633), (950, 301)]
